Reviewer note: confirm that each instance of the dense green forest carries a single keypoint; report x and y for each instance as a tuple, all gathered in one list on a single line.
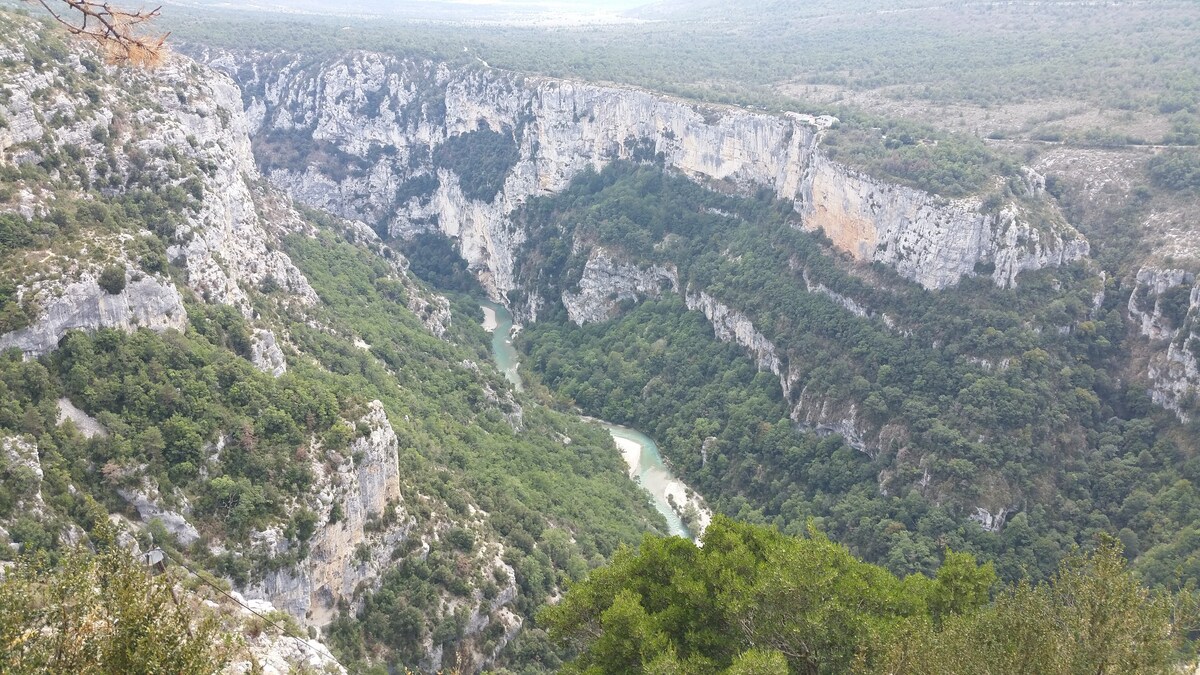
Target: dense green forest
[(966, 397), (754, 601)]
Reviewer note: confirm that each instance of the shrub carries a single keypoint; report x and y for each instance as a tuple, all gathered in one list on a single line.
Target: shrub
[(112, 279), (119, 619), (1177, 170), (461, 539)]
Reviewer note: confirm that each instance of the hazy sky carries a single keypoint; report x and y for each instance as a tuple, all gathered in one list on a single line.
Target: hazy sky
[(441, 9)]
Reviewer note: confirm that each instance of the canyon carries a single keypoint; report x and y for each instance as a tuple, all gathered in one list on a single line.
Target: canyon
[(382, 117), (386, 143)]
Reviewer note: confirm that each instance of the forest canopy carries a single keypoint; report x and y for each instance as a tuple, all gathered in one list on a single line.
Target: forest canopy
[(751, 600)]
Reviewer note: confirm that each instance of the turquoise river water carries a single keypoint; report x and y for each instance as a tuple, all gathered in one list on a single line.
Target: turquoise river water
[(641, 455)]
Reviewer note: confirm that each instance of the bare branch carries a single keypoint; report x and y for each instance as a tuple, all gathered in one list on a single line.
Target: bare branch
[(115, 30)]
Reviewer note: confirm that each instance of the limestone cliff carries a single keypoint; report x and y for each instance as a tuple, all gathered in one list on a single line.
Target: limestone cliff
[(818, 414), (1165, 305), (175, 139), (365, 528), (932, 240), (606, 283), (364, 135), (730, 325), (364, 485), (148, 302)]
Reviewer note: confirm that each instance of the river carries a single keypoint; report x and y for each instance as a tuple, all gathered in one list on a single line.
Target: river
[(641, 455), (497, 320)]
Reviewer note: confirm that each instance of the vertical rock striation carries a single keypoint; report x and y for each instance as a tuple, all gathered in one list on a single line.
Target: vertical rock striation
[(364, 487), (364, 134), (1165, 305)]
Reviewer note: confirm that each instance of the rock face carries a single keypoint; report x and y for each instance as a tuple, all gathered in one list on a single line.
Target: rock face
[(170, 149), (87, 425), (383, 120), (270, 654), (147, 501), (18, 452), (606, 283), (147, 303), (729, 325), (178, 132), (932, 240), (990, 522), (227, 239), (365, 487), (1166, 307), (265, 353)]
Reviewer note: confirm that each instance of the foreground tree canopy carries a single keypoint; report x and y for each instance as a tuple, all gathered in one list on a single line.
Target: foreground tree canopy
[(752, 600), (102, 613)]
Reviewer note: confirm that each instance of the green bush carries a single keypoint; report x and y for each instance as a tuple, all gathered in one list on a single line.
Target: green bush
[(1175, 169), (481, 158), (112, 279)]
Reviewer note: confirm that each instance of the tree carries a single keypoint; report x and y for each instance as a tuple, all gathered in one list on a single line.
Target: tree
[(112, 279), (1092, 617), (116, 31), (962, 585), (754, 601), (749, 600), (102, 613)]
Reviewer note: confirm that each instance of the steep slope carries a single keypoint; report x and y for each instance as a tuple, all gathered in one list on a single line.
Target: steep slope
[(415, 146), (1165, 305), (974, 414), (999, 421), (264, 391)]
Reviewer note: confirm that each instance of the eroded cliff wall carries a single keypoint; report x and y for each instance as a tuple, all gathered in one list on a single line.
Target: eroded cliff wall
[(366, 134), (1165, 307)]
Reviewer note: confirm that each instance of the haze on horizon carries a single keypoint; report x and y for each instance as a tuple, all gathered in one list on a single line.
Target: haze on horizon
[(439, 10)]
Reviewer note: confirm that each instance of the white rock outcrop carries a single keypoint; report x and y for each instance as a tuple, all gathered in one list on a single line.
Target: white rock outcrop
[(730, 325), (177, 132), (813, 412), (19, 452), (273, 654), (147, 501), (146, 303), (1165, 305), (990, 522), (364, 486), (606, 283), (87, 425), (932, 240), (265, 353)]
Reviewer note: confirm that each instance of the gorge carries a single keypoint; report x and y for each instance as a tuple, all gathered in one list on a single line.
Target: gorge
[(239, 318), (670, 496)]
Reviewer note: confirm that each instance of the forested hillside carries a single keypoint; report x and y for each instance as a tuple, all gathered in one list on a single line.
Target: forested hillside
[(753, 601), (934, 362), (278, 410), (987, 420)]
